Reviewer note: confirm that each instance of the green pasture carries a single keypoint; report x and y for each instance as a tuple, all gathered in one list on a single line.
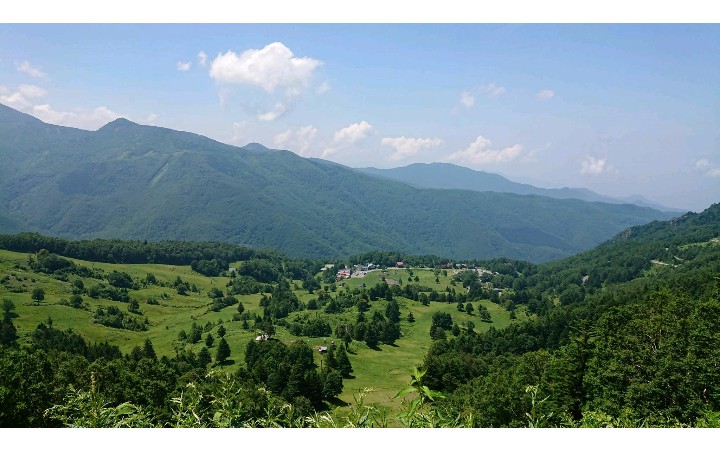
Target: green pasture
[(386, 370)]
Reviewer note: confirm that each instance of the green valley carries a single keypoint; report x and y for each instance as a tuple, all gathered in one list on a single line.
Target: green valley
[(598, 339)]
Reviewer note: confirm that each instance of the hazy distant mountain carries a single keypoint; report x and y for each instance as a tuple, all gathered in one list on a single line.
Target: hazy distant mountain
[(141, 182), (449, 176)]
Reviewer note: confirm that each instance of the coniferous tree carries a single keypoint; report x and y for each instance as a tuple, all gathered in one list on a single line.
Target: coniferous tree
[(203, 358), (223, 351), (8, 333), (392, 312), (332, 384), (343, 362), (209, 340), (331, 361), (390, 333), (372, 336), (469, 308), (149, 350), (455, 330)]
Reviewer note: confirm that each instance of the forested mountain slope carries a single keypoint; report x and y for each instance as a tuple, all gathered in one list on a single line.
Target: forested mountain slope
[(140, 182), (624, 335)]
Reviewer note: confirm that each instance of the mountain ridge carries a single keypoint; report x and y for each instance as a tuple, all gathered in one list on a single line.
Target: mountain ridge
[(443, 175), (131, 181)]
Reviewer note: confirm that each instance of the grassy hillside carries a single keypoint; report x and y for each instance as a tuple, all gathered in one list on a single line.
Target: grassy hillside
[(385, 370)]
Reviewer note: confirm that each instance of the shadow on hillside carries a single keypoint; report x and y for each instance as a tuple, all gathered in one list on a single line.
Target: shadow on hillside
[(337, 402)]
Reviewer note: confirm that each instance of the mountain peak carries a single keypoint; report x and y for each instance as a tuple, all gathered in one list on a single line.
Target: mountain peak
[(256, 147), (117, 124)]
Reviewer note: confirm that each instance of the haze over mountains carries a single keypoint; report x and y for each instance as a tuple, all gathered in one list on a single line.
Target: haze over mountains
[(141, 182), (449, 176)]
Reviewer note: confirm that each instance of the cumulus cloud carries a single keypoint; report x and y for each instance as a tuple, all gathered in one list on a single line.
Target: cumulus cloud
[(298, 141), (22, 99), (408, 146), (184, 66), (270, 68), (545, 95), (202, 58), (273, 114), (347, 136), (27, 68), (480, 152), (594, 166), (492, 89), (83, 119), (707, 168), (352, 133), (467, 99), (323, 88), (26, 99)]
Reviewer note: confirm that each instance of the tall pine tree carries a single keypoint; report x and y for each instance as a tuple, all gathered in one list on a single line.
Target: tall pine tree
[(223, 351)]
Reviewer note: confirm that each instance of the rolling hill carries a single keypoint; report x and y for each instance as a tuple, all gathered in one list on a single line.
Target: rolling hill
[(131, 181)]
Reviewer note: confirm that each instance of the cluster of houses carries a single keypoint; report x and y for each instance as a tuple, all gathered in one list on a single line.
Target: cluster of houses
[(348, 271)]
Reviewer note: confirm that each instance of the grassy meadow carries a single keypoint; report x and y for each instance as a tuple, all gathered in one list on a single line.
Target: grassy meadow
[(385, 371)]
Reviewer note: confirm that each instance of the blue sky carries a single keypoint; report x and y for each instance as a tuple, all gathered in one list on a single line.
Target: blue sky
[(620, 109)]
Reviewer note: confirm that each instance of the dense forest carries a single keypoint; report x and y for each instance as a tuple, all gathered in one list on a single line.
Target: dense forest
[(626, 335)]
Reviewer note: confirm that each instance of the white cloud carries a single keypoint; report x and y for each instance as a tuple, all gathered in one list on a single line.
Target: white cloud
[(26, 96), (202, 58), (238, 132), (27, 68), (529, 157), (594, 166), (545, 95), (467, 99), (269, 68), (305, 135), (184, 66), (151, 118), (492, 90), (22, 99), (282, 138), (32, 91), (298, 141), (273, 114), (323, 88), (707, 168), (347, 136), (480, 152), (407, 146), (3, 89), (352, 133), (83, 119)]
